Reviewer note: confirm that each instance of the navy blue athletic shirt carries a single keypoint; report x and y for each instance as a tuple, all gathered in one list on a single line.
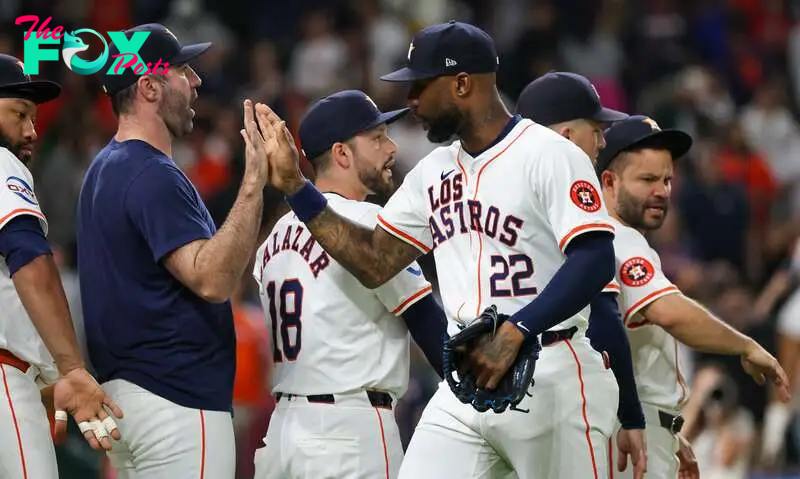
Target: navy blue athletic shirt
[(142, 324)]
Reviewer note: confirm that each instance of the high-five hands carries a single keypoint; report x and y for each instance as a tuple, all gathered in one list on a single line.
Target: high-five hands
[(268, 139)]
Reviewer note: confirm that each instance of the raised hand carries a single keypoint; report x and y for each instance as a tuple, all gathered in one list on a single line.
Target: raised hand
[(78, 394), (255, 152), (284, 160)]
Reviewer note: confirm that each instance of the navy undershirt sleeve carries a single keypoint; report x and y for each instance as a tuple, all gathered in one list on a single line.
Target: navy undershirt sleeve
[(587, 270), (607, 333), (428, 326), (21, 241)]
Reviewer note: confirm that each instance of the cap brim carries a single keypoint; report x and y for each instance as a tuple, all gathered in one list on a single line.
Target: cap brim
[(676, 142), (392, 116), (37, 91), (189, 53), (406, 74), (608, 115), (386, 118)]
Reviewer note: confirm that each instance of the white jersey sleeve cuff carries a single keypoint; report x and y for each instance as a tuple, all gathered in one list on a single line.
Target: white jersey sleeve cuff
[(24, 211), (411, 300), (672, 289), (612, 288), (579, 230), (402, 235)]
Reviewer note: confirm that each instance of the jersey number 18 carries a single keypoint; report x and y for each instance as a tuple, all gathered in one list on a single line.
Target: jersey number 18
[(291, 309)]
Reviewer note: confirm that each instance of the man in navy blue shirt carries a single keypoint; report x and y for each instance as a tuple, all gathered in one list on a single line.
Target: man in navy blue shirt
[(156, 276)]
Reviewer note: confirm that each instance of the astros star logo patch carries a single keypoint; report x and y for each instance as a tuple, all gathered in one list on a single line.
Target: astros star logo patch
[(585, 196), (637, 271)]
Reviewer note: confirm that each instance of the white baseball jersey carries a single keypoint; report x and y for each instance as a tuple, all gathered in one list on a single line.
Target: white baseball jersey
[(330, 333), (498, 223), (17, 333), (655, 352)]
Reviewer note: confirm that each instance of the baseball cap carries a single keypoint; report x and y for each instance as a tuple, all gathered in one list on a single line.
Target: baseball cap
[(161, 44), (563, 96), (640, 131), (14, 83), (339, 117), (447, 49)]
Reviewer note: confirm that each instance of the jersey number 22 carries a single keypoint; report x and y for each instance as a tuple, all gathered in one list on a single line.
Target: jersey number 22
[(290, 310)]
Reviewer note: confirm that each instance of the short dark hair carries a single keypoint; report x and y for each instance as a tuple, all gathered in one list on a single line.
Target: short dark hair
[(619, 162), (324, 160), (122, 101), (321, 162)]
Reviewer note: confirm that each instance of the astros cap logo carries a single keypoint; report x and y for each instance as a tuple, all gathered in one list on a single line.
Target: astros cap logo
[(371, 101), (594, 90), (652, 123), (410, 49), (168, 32)]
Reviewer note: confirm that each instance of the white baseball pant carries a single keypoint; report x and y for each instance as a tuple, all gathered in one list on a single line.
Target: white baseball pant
[(564, 435), (163, 440), (27, 450), (349, 439), (662, 449)]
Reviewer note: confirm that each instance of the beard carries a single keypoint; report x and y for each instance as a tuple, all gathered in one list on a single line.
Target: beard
[(444, 126), (374, 181), (174, 111), (15, 148), (634, 211)]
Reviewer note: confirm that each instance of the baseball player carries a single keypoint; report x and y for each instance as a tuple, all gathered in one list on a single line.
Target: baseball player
[(513, 214), (155, 275), (341, 354), (38, 348), (569, 104), (636, 170)]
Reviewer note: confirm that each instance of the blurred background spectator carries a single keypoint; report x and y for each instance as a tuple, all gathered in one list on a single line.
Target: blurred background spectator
[(726, 71)]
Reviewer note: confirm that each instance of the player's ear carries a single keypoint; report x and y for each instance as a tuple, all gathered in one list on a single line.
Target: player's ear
[(462, 84), (149, 88), (607, 179), (342, 155)]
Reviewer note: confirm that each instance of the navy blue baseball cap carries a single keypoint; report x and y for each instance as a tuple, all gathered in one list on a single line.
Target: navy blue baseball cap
[(637, 132), (447, 49), (339, 117), (161, 45), (562, 96), (14, 83)]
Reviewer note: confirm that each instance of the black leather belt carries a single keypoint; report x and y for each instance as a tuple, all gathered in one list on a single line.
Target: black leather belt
[(552, 337), (669, 422), (376, 398)]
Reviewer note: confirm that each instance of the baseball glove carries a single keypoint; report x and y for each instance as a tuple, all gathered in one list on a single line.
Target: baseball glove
[(515, 383)]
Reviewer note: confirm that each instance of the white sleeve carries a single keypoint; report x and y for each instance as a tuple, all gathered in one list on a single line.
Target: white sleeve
[(408, 286), (405, 289), (258, 264), (404, 214), (568, 190), (17, 197), (639, 275)]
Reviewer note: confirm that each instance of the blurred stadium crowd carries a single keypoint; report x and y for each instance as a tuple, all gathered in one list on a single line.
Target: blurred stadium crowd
[(726, 71)]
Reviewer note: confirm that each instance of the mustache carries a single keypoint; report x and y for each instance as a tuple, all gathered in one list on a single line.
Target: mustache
[(656, 204)]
